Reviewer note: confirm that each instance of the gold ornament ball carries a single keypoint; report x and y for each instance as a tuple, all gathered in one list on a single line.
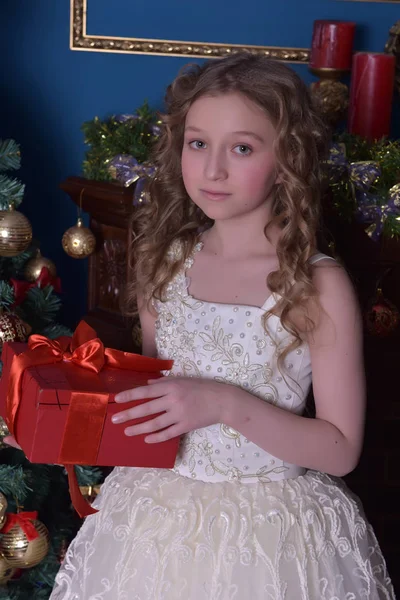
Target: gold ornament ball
[(15, 232), (19, 552), (3, 508), (6, 571), (3, 432), (79, 241), (35, 265), (90, 492)]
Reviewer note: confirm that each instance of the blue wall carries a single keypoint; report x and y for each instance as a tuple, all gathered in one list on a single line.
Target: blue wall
[(47, 90)]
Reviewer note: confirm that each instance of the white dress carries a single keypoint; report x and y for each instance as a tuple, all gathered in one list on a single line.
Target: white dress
[(230, 522)]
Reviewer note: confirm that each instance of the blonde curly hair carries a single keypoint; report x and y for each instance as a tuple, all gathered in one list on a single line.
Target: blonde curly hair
[(171, 215)]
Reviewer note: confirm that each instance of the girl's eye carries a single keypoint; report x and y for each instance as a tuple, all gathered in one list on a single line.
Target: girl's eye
[(197, 145), (243, 150)]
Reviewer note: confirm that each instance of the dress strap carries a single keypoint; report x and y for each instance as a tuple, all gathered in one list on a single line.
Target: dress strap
[(317, 257)]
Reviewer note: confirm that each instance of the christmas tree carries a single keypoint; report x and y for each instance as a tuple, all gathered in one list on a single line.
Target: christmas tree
[(29, 303)]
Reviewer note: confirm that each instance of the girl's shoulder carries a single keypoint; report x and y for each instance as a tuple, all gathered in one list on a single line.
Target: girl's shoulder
[(329, 282), (319, 256), (334, 286)]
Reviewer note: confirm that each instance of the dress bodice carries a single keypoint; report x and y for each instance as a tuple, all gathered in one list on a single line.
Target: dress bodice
[(229, 344)]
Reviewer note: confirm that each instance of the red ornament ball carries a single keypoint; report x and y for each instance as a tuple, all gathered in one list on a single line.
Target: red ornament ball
[(382, 316)]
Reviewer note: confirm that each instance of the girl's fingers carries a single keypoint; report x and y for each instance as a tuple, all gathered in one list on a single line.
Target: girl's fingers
[(162, 436), (156, 424), (141, 393), (143, 410)]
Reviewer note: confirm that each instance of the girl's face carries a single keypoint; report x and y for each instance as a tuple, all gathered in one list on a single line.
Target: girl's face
[(228, 162)]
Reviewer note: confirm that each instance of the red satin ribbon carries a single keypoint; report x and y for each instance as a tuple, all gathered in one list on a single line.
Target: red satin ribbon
[(88, 407), (24, 520)]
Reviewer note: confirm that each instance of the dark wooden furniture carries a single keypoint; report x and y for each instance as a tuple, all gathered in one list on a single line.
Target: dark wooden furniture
[(110, 207), (377, 478)]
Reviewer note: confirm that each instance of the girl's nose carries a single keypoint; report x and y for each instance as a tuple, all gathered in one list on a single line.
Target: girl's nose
[(216, 168)]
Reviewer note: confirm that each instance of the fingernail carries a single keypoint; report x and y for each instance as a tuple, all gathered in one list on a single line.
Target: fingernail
[(116, 418)]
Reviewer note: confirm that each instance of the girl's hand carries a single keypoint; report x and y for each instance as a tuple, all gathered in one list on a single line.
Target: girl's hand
[(185, 404), (11, 441)]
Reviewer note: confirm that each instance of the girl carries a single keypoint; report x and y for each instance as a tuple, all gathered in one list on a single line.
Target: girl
[(248, 310)]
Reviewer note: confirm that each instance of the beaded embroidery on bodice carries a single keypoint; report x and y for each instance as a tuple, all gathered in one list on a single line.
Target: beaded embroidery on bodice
[(229, 344)]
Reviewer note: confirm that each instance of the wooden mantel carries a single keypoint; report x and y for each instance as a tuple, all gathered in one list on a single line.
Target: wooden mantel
[(102, 200)]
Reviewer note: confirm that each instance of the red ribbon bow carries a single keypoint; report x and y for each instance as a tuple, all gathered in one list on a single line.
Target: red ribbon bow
[(24, 520), (87, 409), (83, 349)]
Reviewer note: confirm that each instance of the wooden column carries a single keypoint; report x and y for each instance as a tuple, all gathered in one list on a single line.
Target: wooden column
[(109, 206)]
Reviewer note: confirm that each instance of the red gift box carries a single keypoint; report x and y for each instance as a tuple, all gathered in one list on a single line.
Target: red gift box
[(57, 398)]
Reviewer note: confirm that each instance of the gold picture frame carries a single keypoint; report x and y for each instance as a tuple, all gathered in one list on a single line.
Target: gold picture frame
[(81, 40)]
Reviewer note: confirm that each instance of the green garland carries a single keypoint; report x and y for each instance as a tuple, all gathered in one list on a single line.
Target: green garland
[(119, 134), (384, 154)]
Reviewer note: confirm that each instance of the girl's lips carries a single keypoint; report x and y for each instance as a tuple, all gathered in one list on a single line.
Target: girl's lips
[(215, 195)]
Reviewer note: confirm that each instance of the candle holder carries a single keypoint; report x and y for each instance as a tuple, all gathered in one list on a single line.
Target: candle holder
[(331, 95), (330, 59)]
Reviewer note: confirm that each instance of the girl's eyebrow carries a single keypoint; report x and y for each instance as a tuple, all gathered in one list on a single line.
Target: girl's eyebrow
[(193, 128), (248, 133)]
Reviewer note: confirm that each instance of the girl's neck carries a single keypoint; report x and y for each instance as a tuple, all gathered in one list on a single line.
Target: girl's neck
[(242, 237)]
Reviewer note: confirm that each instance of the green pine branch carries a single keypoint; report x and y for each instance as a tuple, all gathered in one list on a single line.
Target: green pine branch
[(8, 593), (11, 190), (110, 137), (7, 297), (88, 475), (55, 330), (13, 267), (10, 155), (13, 482), (40, 308)]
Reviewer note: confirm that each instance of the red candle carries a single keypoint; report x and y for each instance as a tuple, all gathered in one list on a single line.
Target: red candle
[(371, 94), (332, 45)]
